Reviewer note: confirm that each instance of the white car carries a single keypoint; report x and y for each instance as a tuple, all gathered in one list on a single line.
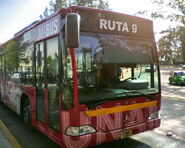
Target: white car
[(183, 66)]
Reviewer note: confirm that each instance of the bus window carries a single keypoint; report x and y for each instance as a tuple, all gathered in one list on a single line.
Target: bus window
[(67, 81), (40, 80), (53, 84), (114, 63), (25, 68)]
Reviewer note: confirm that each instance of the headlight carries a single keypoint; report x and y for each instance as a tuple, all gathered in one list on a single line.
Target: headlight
[(78, 131), (154, 115)]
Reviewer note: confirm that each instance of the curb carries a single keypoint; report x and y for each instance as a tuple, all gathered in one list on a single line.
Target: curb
[(9, 135)]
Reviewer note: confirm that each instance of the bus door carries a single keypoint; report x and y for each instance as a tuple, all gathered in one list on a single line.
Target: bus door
[(53, 82), (40, 81), (47, 82)]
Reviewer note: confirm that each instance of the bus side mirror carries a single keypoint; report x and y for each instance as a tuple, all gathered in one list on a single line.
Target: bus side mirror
[(72, 30)]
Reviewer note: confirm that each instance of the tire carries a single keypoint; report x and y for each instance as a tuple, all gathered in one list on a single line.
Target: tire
[(26, 114), (179, 83)]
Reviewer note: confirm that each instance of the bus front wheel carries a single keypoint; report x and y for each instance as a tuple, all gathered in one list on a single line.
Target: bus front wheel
[(27, 113)]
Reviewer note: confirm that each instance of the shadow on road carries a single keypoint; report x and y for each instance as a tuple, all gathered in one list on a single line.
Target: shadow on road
[(26, 137), (125, 143)]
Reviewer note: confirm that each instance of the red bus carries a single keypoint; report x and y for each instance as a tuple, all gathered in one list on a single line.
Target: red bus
[(83, 76)]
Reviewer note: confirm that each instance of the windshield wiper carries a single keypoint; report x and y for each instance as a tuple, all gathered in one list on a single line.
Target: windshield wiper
[(118, 97), (111, 98), (146, 95)]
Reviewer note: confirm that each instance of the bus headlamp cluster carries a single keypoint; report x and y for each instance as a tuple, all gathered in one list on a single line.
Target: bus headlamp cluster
[(78, 131), (154, 115)]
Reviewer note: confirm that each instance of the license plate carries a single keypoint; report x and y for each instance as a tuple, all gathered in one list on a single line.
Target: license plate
[(126, 133)]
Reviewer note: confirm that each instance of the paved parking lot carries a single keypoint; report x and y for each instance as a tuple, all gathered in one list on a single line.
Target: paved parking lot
[(173, 106)]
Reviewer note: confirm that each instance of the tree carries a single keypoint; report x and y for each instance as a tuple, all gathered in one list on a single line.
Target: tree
[(170, 45), (181, 38), (174, 11), (45, 13), (167, 45), (54, 6)]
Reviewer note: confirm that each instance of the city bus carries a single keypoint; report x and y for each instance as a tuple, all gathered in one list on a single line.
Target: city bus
[(79, 76)]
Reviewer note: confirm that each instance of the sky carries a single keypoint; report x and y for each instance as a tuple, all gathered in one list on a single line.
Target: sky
[(17, 14)]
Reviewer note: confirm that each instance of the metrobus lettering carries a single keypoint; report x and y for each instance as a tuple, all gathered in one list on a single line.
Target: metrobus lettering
[(69, 141), (117, 26), (46, 30)]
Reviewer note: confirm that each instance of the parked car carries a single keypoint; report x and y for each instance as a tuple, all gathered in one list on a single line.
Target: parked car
[(177, 77), (183, 66)]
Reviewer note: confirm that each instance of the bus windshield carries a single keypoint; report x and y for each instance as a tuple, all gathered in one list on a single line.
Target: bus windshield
[(111, 66)]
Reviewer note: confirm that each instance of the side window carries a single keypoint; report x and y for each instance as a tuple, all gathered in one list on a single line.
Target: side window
[(12, 58), (18, 61), (53, 82), (0, 62), (3, 67), (52, 60), (67, 81), (40, 65), (3, 63), (25, 68), (40, 80)]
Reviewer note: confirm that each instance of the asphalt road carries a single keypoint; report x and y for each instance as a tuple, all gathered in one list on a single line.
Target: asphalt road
[(27, 138), (172, 114)]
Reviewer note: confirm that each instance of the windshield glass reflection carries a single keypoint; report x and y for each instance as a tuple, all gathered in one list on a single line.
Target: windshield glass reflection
[(110, 65)]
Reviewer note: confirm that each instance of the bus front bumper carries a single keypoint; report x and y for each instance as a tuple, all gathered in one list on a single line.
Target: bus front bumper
[(104, 137)]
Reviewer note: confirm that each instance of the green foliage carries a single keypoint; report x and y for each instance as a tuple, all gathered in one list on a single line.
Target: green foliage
[(12, 51), (57, 4), (172, 43), (173, 10), (45, 13), (101, 4)]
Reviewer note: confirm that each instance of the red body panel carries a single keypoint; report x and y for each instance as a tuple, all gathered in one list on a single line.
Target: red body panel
[(114, 128)]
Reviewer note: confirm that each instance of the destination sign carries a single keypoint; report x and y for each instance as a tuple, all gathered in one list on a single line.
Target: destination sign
[(117, 26), (115, 23)]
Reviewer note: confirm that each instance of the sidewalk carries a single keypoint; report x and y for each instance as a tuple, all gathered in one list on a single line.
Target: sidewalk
[(7, 140)]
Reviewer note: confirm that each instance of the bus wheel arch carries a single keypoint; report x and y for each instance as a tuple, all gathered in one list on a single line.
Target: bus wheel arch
[(26, 110)]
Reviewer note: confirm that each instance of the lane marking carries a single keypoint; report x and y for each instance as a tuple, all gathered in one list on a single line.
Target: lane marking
[(116, 109), (9, 135)]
